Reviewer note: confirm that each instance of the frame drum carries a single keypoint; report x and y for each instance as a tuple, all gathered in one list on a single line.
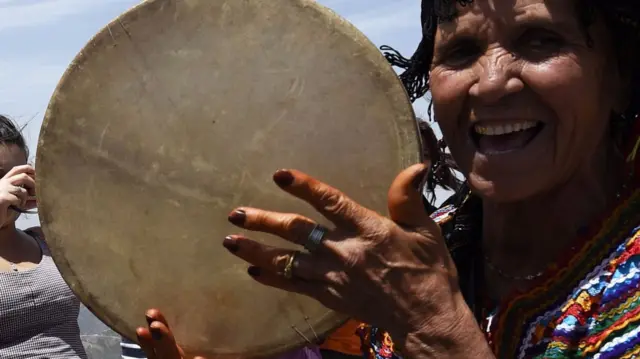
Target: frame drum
[(177, 112)]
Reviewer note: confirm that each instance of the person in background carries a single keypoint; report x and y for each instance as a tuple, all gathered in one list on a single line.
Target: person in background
[(38, 311)]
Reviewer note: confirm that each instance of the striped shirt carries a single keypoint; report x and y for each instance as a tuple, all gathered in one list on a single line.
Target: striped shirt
[(131, 350), (38, 313)]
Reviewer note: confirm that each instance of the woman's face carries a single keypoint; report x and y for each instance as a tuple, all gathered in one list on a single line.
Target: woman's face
[(523, 102), (11, 156)]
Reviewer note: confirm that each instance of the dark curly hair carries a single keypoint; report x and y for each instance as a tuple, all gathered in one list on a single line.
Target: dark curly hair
[(11, 134), (622, 17)]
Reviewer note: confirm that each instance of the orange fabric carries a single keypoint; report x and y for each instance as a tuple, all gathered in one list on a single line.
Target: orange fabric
[(345, 339)]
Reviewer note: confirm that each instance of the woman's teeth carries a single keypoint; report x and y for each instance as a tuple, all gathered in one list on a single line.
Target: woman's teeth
[(495, 130)]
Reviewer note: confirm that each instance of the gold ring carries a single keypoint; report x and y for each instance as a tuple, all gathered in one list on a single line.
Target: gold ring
[(288, 268)]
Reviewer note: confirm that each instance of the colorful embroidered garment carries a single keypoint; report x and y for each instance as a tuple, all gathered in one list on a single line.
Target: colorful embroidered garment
[(585, 306), (588, 308), (344, 340)]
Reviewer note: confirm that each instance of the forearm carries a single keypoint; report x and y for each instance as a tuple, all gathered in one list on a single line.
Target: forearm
[(452, 335)]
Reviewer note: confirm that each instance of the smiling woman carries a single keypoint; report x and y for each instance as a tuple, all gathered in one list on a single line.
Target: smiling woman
[(537, 254), (524, 102)]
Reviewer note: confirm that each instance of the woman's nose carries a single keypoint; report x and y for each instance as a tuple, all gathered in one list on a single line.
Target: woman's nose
[(496, 77)]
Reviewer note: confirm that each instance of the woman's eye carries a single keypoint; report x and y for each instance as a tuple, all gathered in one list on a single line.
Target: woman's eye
[(460, 55), (539, 44)]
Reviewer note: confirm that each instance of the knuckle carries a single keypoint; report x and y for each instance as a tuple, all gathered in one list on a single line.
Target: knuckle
[(293, 223), (23, 177), (259, 219), (379, 229), (288, 222), (334, 202), (353, 258), (386, 228)]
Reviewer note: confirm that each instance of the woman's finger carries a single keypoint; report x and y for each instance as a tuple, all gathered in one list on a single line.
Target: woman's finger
[(406, 206), (13, 201), (164, 343), (330, 202), (27, 169), (19, 200), (146, 342), (310, 267), (154, 315), (20, 193), (25, 181), (275, 260), (292, 227), (294, 285), (319, 291)]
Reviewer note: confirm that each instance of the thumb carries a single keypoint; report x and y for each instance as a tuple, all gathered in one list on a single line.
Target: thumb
[(406, 206)]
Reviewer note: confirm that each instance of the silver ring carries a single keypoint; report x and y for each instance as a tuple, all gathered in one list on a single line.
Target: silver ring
[(315, 238)]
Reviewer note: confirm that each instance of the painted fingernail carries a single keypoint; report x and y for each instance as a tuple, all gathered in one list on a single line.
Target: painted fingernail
[(420, 178), (231, 244), (283, 178), (156, 334), (237, 217), (254, 271)]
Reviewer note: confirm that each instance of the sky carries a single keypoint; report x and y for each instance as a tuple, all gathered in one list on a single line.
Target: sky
[(39, 38)]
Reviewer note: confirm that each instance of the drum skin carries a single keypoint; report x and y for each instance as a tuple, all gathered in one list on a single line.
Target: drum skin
[(179, 111)]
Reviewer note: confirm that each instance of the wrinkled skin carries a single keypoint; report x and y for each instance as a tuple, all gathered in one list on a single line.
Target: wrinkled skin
[(504, 61), (367, 257)]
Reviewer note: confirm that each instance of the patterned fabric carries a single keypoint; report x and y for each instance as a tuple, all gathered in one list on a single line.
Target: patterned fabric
[(587, 305), (598, 316), (38, 314), (344, 340), (376, 343)]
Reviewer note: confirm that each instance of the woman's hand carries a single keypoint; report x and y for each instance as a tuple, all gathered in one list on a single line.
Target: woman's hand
[(394, 273), (17, 189), (157, 340)]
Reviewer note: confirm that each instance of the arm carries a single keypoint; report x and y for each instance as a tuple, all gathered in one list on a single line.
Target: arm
[(454, 334)]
